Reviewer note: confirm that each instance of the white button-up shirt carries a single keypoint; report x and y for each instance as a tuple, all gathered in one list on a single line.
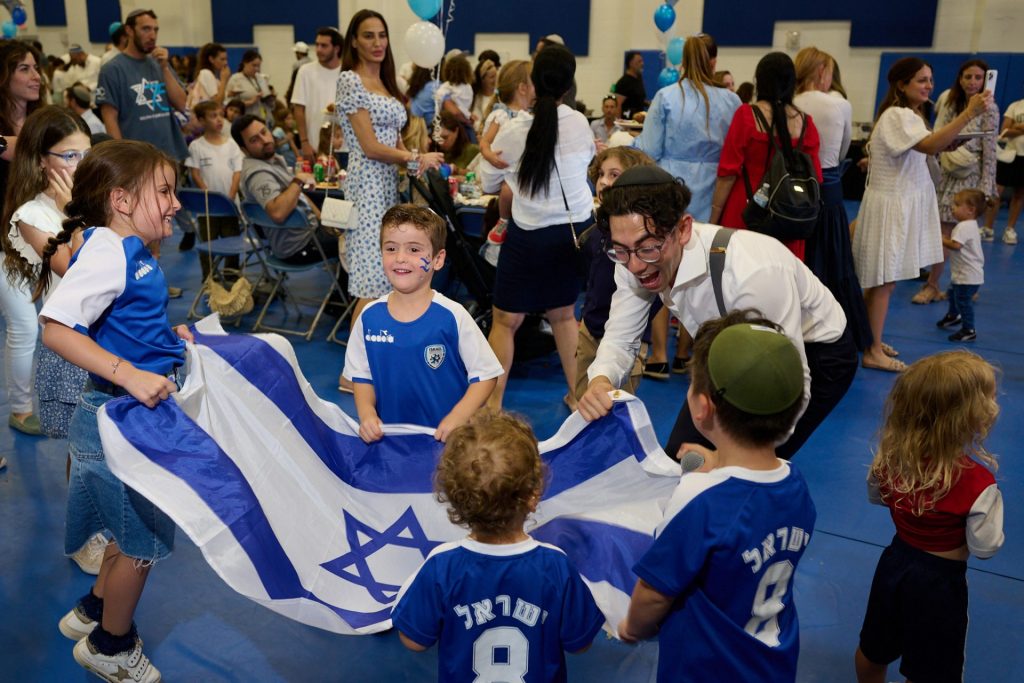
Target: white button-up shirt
[(759, 273)]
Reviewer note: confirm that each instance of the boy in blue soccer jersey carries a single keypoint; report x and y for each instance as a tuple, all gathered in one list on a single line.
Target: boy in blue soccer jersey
[(717, 582), (503, 606), (414, 355)]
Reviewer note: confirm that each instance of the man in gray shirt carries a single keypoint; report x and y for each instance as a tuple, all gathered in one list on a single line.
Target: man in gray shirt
[(267, 180)]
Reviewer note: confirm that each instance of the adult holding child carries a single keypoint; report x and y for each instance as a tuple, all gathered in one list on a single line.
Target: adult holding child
[(971, 166), (547, 155), (898, 229)]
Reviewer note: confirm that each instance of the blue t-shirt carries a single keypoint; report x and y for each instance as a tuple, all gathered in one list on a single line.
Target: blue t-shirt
[(115, 292), (501, 612), (728, 549), (136, 89), (420, 369)]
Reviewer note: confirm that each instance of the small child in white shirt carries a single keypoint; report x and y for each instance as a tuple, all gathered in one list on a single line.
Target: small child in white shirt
[(967, 264), (215, 164), (455, 94)]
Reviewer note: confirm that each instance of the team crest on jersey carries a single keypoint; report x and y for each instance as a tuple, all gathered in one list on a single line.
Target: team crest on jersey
[(434, 355)]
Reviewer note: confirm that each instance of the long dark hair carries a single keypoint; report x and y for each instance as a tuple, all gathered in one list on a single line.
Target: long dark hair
[(45, 128), (418, 80), (206, 53), (553, 70), (900, 73), (126, 164), (350, 57), (776, 82), (449, 122), (11, 54), (248, 56), (957, 97)]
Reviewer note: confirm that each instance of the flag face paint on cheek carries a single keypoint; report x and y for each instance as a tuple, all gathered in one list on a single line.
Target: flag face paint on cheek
[(426, 264)]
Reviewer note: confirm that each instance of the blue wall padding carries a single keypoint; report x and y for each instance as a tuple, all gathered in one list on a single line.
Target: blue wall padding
[(233, 20), (102, 13), (50, 13), (568, 18), (874, 23)]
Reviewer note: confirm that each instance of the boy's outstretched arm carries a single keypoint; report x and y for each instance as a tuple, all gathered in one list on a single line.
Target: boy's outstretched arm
[(474, 398), (647, 609)]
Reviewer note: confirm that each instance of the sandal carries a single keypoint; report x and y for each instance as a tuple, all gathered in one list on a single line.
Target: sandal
[(892, 365), (927, 295), (889, 351)]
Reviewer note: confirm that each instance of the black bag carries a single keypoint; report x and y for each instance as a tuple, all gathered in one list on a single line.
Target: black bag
[(788, 199)]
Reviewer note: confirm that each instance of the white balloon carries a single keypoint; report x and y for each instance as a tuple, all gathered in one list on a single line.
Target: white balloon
[(425, 44)]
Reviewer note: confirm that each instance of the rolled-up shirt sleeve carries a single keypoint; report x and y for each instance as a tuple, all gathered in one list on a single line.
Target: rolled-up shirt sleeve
[(627, 319)]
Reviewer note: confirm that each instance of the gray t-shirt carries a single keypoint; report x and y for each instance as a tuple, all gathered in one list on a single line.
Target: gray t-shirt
[(136, 89), (262, 181)]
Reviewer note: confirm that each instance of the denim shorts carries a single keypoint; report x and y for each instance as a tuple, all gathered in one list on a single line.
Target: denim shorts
[(99, 501)]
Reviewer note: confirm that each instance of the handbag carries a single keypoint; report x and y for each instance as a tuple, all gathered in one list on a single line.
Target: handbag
[(229, 303), (340, 214), (1006, 153), (959, 163)]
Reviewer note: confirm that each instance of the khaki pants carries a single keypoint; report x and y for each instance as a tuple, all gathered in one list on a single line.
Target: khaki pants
[(586, 350)]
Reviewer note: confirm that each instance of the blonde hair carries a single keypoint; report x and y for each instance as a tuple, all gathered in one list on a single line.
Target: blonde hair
[(627, 156), (696, 68), (940, 410), (807, 62), (510, 77)]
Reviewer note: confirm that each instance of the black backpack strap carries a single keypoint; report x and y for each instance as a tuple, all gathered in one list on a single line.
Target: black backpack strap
[(716, 264)]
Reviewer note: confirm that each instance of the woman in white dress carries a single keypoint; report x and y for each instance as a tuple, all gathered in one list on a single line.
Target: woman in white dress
[(898, 225)]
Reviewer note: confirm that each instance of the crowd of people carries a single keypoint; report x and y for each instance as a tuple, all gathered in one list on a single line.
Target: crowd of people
[(652, 228)]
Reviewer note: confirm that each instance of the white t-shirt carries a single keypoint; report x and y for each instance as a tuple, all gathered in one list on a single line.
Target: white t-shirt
[(93, 121), (205, 87), (41, 213), (461, 95), (967, 264), (1015, 112), (315, 87), (217, 164), (833, 117)]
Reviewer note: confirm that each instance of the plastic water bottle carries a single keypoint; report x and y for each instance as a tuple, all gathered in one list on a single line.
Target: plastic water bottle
[(413, 166), (761, 196)]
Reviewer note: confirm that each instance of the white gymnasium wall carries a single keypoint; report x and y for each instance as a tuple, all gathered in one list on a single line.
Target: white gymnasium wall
[(615, 26)]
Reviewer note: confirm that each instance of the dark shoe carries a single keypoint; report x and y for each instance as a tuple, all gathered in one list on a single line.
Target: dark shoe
[(656, 370), (963, 335), (948, 321), (680, 366), (188, 240)]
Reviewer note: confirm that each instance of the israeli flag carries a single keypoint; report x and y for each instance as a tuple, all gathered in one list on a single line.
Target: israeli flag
[(294, 511)]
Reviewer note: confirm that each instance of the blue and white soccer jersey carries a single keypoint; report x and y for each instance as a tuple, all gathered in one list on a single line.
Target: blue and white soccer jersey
[(729, 547), (115, 292), (501, 612), (420, 369)]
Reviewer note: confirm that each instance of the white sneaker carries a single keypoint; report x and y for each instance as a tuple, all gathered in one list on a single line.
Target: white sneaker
[(1009, 236), (987, 234), (126, 666), (90, 557), (76, 625)]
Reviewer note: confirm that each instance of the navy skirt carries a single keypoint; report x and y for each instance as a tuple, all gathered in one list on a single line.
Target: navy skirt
[(538, 269), (830, 257)]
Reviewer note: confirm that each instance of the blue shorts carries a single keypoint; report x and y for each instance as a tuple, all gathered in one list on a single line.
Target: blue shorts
[(99, 501)]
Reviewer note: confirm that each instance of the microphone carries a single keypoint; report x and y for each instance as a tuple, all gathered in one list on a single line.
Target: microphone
[(691, 461)]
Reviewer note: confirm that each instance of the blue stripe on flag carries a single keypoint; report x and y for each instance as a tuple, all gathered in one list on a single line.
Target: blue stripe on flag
[(195, 458), (601, 552), (407, 465)]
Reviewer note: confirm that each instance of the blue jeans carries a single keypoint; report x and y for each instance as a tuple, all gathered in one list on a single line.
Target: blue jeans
[(961, 302)]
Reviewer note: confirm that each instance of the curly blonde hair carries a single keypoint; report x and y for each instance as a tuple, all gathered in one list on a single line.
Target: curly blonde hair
[(490, 473), (940, 409)]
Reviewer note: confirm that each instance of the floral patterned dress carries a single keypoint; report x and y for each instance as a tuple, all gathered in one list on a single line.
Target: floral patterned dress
[(372, 185)]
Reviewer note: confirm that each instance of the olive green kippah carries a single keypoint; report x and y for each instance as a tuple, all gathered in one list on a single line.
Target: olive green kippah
[(756, 369)]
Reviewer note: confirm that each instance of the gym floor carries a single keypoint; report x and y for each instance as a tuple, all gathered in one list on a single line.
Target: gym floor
[(197, 629)]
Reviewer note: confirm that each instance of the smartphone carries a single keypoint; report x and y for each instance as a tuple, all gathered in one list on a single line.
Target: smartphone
[(990, 80)]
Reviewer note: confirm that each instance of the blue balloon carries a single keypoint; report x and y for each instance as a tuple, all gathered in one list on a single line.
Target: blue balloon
[(19, 16), (444, 170), (10, 29), (425, 9), (674, 51), (668, 76), (664, 17)]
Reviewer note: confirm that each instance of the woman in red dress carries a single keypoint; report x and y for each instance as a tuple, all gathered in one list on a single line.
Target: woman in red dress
[(747, 147)]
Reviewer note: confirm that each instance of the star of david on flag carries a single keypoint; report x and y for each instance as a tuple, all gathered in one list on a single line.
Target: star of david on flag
[(150, 94), (295, 512)]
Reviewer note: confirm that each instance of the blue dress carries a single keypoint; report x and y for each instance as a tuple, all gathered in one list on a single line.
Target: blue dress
[(372, 185), (685, 142)]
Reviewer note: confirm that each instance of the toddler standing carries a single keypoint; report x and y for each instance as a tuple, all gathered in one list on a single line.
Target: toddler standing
[(967, 264)]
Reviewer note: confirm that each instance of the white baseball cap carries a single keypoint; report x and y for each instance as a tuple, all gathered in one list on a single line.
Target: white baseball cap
[(301, 48)]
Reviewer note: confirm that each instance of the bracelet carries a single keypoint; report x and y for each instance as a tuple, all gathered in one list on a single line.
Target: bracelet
[(116, 364)]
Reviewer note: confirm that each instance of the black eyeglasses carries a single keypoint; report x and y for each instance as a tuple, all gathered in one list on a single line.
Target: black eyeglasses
[(649, 253), (71, 157)]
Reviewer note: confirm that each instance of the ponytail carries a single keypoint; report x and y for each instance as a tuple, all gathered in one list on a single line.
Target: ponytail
[(552, 75), (70, 226), (776, 83)]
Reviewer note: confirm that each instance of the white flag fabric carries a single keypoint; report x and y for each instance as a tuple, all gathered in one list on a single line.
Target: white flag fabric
[(294, 511)]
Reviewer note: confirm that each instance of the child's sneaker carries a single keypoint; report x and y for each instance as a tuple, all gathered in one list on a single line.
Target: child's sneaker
[(1009, 236), (90, 558), (987, 234), (76, 625), (131, 665), (497, 233), (963, 336), (950, 320)]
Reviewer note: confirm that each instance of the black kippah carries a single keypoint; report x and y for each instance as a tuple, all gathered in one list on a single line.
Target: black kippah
[(644, 175)]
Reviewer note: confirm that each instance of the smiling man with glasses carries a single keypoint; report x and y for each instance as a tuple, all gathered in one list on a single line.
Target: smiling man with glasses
[(662, 251)]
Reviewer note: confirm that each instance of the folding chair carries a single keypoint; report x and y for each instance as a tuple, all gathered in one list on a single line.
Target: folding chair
[(245, 247), (280, 270)]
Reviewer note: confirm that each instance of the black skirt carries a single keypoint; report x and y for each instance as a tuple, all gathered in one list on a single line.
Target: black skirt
[(829, 256), (1011, 174), (538, 269)]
